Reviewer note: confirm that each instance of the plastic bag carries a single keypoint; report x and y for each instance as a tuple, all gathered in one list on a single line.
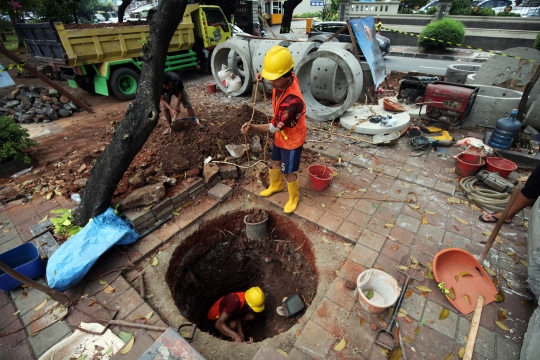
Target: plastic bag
[(474, 146), (224, 73), (72, 260), (232, 83)]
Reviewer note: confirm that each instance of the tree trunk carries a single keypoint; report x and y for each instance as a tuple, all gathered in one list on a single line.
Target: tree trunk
[(122, 9), (3, 35), (20, 40), (288, 8), (140, 119), (75, 17)]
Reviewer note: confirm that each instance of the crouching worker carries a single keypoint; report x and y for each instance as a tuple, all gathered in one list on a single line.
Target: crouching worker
[(228, 313), (288, 124)]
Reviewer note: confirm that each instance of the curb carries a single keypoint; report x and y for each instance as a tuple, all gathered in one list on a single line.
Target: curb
[(437, 57)]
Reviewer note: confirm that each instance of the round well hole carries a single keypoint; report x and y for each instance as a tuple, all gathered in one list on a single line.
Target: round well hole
[(219, 259)]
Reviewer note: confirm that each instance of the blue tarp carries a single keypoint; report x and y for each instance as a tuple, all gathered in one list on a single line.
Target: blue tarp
[(364, 30), (72, 260)]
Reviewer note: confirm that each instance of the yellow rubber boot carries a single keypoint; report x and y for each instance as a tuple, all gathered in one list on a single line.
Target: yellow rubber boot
[(291, 205), (276, 183)]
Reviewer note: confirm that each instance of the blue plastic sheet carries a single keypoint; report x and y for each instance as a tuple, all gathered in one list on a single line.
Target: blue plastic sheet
[(72, 260)]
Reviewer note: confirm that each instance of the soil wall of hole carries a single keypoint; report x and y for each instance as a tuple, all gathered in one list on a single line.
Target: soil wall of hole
[(218, 259)]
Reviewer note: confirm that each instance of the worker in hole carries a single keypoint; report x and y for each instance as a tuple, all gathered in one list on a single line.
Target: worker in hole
[(229, 312), (288, 124), (172, 85)]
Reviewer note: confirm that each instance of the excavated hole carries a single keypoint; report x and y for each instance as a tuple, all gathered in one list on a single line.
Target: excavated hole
[(219, 259)]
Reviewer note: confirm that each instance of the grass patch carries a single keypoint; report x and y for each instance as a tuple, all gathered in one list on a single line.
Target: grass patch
[(11, 43)]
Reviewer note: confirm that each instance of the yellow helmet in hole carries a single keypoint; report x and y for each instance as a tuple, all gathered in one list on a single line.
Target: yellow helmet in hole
[(277, 62), (255, 299)]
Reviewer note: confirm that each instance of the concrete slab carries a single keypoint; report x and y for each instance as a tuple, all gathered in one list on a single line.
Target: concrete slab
[(358, 112)]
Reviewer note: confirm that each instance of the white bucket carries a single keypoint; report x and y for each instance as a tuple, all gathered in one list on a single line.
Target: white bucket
[(385, 290)]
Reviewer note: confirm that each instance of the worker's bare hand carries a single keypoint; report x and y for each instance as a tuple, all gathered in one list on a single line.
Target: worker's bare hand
[(238, 339), (259, 77), (245, 128)]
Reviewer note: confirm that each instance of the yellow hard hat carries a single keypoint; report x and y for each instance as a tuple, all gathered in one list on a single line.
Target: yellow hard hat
[(255, 299), (277, 62)]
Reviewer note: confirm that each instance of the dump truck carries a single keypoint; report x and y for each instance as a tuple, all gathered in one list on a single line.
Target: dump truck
[(107, 60)]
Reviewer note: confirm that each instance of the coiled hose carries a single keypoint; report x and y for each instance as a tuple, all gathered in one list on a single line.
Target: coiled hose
[(420, 142), (487, 198)]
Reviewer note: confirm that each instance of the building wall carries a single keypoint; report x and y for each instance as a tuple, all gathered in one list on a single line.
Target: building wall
[(309, 6)]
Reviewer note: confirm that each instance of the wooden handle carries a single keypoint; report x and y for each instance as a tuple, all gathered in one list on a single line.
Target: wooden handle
[(473, 329)]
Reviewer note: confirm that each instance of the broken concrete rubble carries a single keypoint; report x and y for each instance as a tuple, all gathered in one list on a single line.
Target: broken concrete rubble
[(36, 104), (143, 197), (237, 151), (210, 171)]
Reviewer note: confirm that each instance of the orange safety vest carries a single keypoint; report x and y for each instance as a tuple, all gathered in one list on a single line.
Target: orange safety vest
[(296, 136), (214, 312)]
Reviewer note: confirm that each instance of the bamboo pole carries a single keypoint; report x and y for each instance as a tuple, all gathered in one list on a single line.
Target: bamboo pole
[(473, 329), (32, 70)]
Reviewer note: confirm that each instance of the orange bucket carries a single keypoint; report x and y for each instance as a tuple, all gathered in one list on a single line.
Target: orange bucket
[(320, 177), (211, 87)]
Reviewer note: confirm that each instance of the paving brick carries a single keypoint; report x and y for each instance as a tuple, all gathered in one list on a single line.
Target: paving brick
[(454, 226), (408, 222), (166, 231), (48, 337), (403, 236), (358, 218), (366, 206), (409, 173), (330, 222), (414, 305), (506, 263), (507, 349), (311, 213), (266, 352), (340, 294), (445, 187), (363, 255), (46, 244), (11, 244), (142, 342), (430, 344), (453, 240), (10, 341), (331, 317), (25, 214), (330, 151), (4, 299), (339, 210), (394, 251), (350, 270), (180, 198), (220, 192), (389, 266), (10, 235), (314, 340), (425, 181), (431, 232), (33, 299), (386, 214), (120, 286), (372, 240), (485, 339), (447, 326), (426, 246), (163, 209), (296, 354), (40, 227), (19, 352), (280, 199), (146, 245), (349, 231), (378, 226), (126, 304)]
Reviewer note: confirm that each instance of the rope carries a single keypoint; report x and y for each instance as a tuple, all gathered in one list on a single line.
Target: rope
[(487, 198), (412, 202), (18, 66)]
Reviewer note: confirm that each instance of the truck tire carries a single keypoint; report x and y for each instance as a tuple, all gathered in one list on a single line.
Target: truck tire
[(124, 82)]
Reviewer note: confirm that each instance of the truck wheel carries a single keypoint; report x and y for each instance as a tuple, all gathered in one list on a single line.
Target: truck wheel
[(124, 82)]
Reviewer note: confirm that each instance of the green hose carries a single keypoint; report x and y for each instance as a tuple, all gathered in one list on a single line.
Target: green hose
[(487, 198)]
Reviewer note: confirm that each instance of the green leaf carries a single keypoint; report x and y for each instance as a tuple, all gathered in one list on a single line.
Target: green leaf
[(155, 261), (375, 205), (369, 294), (396, 353), (490, 270), (148, 296), (66, 222), (125, 336), (175, 213), (109, 350), (82, 357), (422, 322), (149, 315)]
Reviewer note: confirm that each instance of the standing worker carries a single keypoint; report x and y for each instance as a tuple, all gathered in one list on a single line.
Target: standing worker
[(288, 124), (172, 85), (227, 314)]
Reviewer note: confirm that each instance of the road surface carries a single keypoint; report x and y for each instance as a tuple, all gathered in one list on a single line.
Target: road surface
[(405, 64)]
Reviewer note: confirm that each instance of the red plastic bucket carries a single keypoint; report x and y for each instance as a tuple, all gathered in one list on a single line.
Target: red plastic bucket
[(211, 87), (500, 165), (468, 164), (320, 176)]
